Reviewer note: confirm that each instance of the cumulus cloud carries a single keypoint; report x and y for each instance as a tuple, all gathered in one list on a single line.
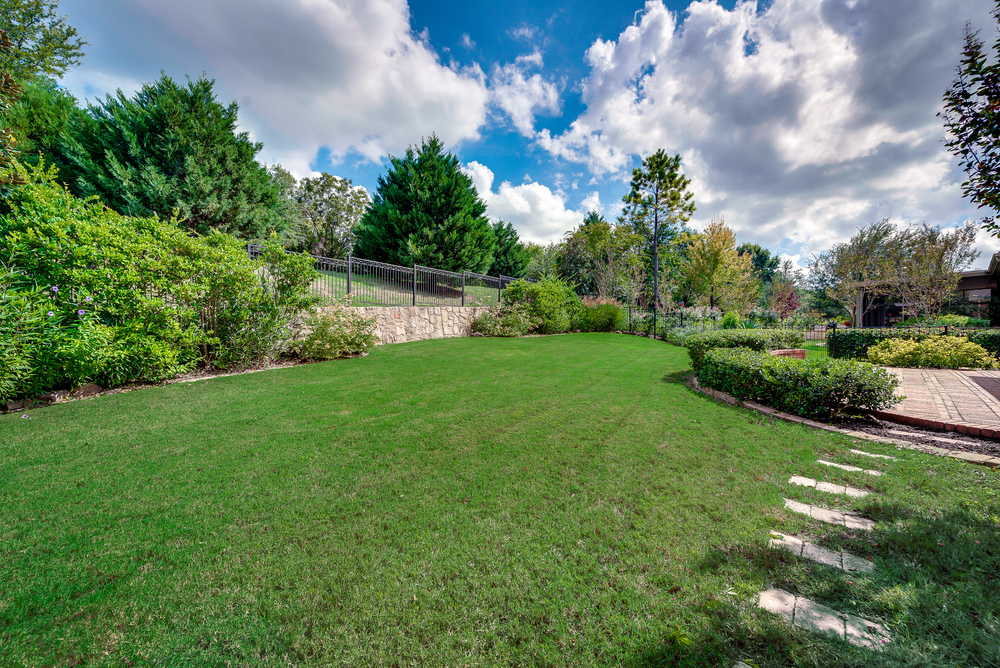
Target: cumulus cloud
[(347, 75), (797, 120), (522, 96), (536, 212)]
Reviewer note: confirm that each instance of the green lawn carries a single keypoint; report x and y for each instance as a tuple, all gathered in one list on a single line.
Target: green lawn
[(550, 501), (814, 349)]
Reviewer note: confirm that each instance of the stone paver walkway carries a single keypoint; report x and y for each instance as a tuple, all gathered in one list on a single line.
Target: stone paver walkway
[(969, 399), (828, 487), (830, 516), (803, 548), (848, 467), (812, 616)]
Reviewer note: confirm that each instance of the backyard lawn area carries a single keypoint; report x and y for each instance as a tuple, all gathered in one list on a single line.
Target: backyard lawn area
[(543, 501)]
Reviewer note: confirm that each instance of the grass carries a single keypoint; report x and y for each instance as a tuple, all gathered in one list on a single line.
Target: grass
[(815, 350), (552, 501)]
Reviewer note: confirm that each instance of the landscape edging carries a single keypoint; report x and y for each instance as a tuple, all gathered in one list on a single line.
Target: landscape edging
[(967, 457)]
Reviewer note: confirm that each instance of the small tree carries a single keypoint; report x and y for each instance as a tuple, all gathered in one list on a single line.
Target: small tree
[(718, 274), (934, 263), (658, 204), (331, 209), (785, 298), (426, 211)]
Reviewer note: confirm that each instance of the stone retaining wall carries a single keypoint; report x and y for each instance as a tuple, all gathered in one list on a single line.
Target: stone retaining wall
[(398, 324)]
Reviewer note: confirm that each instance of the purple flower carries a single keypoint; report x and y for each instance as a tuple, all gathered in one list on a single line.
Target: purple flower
[(51, 314), (55, 288), (87, 299), (80, 312), (24, 416)]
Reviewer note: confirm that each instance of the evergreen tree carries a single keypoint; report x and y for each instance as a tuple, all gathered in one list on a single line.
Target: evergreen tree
[(426, 211), (38, 120), (171, 150), (510, 258)]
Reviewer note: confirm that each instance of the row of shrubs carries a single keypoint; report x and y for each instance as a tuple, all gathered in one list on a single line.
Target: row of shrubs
[(548, 306), (89, 295), (855, 343), (934, 352), (738, 363)]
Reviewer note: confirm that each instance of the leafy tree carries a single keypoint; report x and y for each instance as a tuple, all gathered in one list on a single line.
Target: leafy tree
[(658, 205), (42, 43), (933, 265), (785, 298), (597, 256), (764, 264), (971, 115), (331, 208), (511, 257), (544, 260), (39, 119), (174, 150), (718, 274), (294, 233), (427, 211)]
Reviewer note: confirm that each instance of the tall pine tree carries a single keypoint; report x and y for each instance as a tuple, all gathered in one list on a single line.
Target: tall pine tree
[(426, 211)]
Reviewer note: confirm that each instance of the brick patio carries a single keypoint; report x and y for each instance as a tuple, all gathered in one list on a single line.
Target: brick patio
[(953, 400)]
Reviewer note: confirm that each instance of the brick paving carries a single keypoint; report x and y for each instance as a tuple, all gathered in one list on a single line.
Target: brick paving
[(950, 397)]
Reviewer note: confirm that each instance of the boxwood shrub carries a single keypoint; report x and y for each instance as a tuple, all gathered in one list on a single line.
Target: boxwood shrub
[(755, 339), (854, 343), (815, 388)]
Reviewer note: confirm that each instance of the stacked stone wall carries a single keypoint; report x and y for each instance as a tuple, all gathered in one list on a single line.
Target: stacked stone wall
[(399, 324)]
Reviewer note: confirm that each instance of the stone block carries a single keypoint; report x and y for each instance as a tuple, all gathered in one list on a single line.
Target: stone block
[(796, 353), (857, 563), (821, 555), (778, 602), (818, 618)]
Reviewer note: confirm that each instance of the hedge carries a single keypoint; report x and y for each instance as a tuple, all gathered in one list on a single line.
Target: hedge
[(754, 339), (854, 343), (815, 388)]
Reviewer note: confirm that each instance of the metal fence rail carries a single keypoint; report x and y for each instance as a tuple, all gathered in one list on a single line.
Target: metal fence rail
[(383, 284)]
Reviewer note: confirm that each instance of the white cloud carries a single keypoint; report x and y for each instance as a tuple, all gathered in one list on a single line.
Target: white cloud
[(348, 75), (522, 96), (467, 42), (537, 213), (797, 120)]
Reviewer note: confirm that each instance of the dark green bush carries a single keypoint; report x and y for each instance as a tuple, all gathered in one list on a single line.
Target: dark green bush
[(337, 331), (854, 343), (549, 299), (815, 388), (754, 339), (505, 320), (988, 339)]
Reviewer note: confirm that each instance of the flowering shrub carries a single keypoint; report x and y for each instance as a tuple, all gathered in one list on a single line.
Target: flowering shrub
[(337, 331), (937, 352), (505, 320)]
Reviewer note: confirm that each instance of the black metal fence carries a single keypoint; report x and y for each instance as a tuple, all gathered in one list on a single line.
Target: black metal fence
[(382, 284)]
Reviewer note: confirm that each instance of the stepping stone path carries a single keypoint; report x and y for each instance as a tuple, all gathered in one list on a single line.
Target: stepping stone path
[(808, 614), (848, 467), (869, 454), (828, 487), (812, 616), (830, 516), (800, 548)]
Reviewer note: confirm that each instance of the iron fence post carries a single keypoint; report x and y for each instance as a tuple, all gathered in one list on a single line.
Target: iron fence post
[(348, 275), (463, 287), (499, 286), (414, 283)]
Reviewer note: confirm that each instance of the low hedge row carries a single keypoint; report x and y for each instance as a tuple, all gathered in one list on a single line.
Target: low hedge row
[(754, 339), (815, 388), (854, 343)]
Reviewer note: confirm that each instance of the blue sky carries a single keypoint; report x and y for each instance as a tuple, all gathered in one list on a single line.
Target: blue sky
[(798, 120)]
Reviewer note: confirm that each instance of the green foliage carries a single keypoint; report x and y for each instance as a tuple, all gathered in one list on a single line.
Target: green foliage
[(38, 120), (602, 315), (936, 352), (550, 300), (426, 211), (947, 320), (42, 42), (161, 301), (506, 319), (988, 339), (174, 151), (337, 331), (10, 91), (731, 320), (510, 257), (762, 340), (763, 264), (815, 388), (854, 343), (331, 208)]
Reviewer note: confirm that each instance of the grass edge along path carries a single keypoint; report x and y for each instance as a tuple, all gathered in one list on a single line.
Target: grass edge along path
[(555, 501)]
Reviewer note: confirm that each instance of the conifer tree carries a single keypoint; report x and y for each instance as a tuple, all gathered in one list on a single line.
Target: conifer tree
[(426, 211)]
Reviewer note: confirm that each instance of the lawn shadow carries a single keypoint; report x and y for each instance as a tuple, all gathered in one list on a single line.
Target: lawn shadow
[(682, 377)]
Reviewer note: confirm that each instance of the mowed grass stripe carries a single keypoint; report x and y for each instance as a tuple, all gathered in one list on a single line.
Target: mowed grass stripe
[(558, 500)]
